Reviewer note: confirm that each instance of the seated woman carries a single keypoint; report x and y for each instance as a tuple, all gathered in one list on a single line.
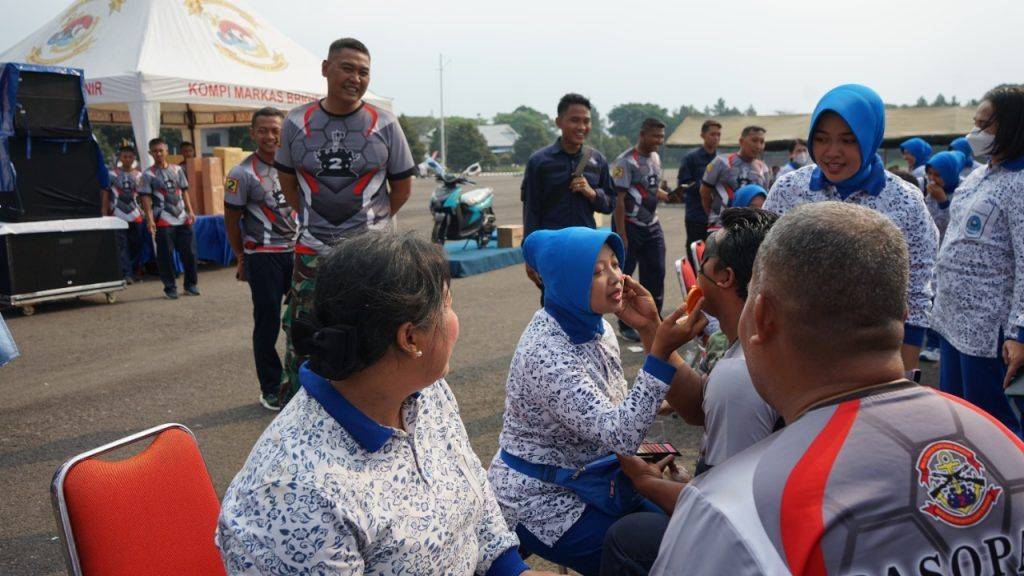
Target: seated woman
[(369, 469), (567, 402)]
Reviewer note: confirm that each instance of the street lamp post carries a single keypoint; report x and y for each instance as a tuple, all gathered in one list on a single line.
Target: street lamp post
[(444, 143)]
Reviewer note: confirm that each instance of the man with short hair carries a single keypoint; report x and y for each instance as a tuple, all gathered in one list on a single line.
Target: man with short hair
[(691, 170), (345, 167), (261, 229), (726, 174), (873, 474), (169, 217), (798, 157), (566, 182), (187, 150), (122, 201), (636, 174)]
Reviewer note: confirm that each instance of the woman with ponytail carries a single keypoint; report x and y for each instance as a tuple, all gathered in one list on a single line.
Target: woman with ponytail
[(369, 469)]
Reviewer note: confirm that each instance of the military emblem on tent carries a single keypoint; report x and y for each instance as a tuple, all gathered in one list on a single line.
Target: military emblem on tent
[(336, 160), (959, 492), (236, 34), (74, 37)]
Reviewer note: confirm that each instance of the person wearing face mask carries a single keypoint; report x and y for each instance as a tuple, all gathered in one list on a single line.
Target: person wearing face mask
[(847, 127), (369, 470), (798, 158), (567, 404), (964, 147), (916, 152), (260, 226), (979, 301)]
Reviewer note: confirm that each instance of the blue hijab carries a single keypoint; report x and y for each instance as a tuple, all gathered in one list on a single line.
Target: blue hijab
[(961, 145), (919, 149), (745, 194), (863, 111), (565, 261), (948, 164)]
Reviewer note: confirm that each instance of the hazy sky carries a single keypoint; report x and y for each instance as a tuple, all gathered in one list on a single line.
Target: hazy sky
[(778, 56)]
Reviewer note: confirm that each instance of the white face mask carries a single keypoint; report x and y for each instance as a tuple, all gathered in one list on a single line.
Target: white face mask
[(980, 141), (802, 159)]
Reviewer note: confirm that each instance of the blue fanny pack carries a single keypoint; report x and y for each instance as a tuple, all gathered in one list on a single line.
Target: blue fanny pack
[(600, 483)]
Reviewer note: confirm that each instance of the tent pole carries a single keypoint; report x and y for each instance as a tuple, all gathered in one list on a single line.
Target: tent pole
[(190, 120)]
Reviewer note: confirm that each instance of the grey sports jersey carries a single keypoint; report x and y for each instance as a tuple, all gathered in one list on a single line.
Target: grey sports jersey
[(268, 223), (166, 186), (640, 176), (895, 481), (124, 188), (342, 164), (735, 415), (726, 174)]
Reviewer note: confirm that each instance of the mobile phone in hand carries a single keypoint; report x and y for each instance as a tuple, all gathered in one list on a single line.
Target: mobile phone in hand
[(655, 451)]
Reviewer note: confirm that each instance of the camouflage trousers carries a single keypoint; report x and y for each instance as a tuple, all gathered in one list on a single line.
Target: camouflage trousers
[(299, 301)]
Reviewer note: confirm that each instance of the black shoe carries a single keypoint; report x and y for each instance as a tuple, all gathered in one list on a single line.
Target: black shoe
[(271, 402), (629, 333), (171, 293), (191, 291)]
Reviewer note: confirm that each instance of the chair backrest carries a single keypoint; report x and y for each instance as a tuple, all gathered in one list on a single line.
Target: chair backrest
[(153, 513), (697, 251), (685, 275)]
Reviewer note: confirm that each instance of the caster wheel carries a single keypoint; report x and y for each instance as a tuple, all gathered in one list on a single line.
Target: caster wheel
[(28, 310), (111, 297)]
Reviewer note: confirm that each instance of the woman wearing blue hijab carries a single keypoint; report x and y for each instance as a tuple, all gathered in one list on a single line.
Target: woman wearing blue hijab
[(749, 196), (847, 127), (567, 402), (916, 152), (943, 172), (961, 145)]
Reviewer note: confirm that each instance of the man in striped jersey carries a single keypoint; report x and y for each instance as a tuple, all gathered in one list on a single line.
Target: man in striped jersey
[(261, 228)]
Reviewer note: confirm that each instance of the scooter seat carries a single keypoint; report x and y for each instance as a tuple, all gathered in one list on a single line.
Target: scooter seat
[(474, 197)]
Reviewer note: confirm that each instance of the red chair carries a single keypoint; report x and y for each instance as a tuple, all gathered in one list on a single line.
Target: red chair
[(684, 273), (153, 513), (697, 251)]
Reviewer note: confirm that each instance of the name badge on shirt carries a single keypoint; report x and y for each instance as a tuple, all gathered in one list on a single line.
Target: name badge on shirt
[(978, 217)]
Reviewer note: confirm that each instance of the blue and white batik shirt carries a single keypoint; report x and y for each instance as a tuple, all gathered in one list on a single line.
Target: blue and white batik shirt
[(566, 405), (901, 203), (327, 490), (980, 269)]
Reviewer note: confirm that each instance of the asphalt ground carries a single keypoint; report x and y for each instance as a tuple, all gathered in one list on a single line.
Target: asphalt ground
[(92, 372)]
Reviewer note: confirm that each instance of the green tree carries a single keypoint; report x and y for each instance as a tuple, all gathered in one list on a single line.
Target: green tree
[(940, 100), (627, 118), (721, 109), (466, 144), (532, 136), (921, 102), (412, 135), (679, 115), (750, 111), (522, 116)]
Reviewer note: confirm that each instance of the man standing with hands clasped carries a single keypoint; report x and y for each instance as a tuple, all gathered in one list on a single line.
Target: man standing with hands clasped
[(169, 218), (638, 189), (345, 167), (261, 228)]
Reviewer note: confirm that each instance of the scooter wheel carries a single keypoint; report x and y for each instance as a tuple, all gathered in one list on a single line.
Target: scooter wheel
[(437, 233)]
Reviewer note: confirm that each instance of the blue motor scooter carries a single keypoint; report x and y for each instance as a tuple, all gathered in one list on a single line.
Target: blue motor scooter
[(461, 214)]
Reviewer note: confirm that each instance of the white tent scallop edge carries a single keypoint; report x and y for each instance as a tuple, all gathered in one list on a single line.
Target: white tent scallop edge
[(205, 57)]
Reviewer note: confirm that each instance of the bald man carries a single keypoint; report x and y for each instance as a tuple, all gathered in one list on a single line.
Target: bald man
[(873, 474)]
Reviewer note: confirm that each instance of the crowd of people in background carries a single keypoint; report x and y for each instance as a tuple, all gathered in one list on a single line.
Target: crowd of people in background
[(822, 285)]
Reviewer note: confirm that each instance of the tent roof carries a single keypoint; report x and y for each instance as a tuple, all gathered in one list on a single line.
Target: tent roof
[(939, 125), (213, 53)]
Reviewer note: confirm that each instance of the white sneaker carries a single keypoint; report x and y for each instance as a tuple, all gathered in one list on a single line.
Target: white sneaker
[(929, 355)]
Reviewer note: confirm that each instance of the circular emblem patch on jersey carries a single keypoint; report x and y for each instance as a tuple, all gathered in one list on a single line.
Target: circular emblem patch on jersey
[(959, 492), (974, 225)]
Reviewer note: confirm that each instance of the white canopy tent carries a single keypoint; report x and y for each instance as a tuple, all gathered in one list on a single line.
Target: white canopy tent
[(180, 63)]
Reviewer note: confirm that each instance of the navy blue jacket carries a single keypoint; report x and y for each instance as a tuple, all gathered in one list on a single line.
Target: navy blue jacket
[(548, 172), (691, 171)]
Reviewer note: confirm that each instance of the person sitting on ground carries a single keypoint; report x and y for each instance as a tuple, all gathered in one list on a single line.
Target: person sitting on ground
[(873, 474), (916, 152), (724, 402), (751, 195), (369, 468), (979, 297), (847, 127), (567, 402)]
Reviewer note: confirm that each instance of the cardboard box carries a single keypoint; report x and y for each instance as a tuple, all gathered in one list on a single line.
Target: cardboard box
[(229, 157), (213, 186), (510, 236), (194, 175)]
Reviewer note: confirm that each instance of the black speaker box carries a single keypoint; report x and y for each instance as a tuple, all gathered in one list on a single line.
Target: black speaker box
[(55, 180), (31, 263), (50, 106)]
